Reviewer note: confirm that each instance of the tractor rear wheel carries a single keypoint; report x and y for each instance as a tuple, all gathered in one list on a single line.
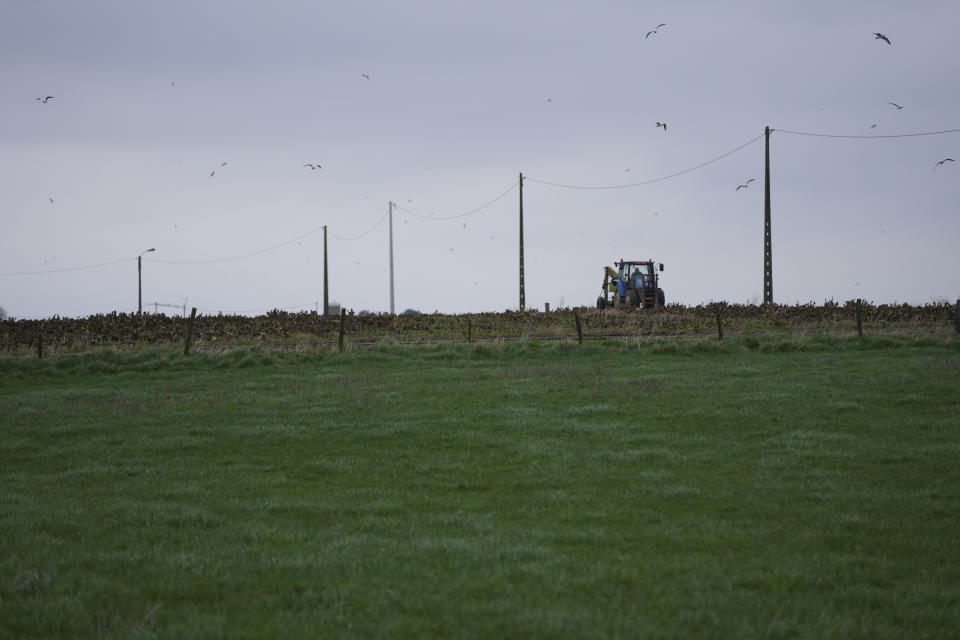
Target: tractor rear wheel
[(601, 302), (631, 299), (660, 297)]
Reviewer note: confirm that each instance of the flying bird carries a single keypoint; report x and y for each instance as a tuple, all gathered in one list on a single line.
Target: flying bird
[(744, 186), (44, 100), (663, 24), (896, 105), (664, 125), (365, 76), (880, 36), (873, 126), (51, 200), (934, 166), (224, 163), (313, 167), (213, 172)]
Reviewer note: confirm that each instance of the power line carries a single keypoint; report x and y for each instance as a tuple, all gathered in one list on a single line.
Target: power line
[(245, 255), (645, 182), (89, 266), (459, 215), (260, 251), (365, 233), (861, 137)]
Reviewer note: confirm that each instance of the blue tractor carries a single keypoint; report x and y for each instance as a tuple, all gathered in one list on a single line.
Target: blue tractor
[(636, 283)]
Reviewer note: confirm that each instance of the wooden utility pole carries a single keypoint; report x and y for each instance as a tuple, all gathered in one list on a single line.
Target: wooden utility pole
[(523, 297), (390, 211), (326, 297), (767, 243)]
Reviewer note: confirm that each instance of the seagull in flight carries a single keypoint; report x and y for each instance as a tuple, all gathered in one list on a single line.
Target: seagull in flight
[(664, 125), (662, 24), (941, 162), (313, 167), (880, 36), (744, 186), (44, 100), (51, 199), (896, 105), (365, 76)]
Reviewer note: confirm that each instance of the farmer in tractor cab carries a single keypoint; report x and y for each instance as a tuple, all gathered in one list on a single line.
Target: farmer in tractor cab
[(638, 276)]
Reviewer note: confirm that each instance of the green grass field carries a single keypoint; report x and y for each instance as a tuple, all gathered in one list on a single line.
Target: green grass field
[(763, 487)]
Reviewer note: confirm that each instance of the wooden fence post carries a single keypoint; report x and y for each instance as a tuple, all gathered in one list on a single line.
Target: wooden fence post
[(343, 320), (186, 343), (469, 330), (576, 317), (859, 318), (40, 343), (719, 326)]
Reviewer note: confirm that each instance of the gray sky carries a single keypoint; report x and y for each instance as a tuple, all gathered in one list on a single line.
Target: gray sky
[(150, 98)]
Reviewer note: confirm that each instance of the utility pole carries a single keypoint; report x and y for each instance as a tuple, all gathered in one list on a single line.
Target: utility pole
[(390, 211), (140, 281), (767, 242), (326, 298), (522, 292)]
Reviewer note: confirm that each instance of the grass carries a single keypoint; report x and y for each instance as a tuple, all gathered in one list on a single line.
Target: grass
[(755, 487)]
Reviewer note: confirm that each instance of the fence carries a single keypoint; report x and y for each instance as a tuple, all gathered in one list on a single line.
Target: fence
[(312, 331)]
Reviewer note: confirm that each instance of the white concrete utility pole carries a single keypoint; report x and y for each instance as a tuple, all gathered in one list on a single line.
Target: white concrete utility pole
[(390, 211)]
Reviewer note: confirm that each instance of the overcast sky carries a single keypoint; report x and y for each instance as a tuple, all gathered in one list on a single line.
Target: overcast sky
[(439, 106)]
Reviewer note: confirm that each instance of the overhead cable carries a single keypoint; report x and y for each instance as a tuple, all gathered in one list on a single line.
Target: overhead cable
[(89, 266), (365, 233), (862, 137), (645, 182), (245, 255), (459, 215)]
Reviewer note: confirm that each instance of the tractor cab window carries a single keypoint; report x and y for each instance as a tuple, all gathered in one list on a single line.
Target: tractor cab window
[(635, 271)]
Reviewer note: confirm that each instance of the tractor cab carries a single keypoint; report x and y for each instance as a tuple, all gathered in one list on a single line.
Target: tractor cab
[(636, 275), (636, 283)]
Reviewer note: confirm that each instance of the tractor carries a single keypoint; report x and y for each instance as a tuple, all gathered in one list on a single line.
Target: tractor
[(635, 284)]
